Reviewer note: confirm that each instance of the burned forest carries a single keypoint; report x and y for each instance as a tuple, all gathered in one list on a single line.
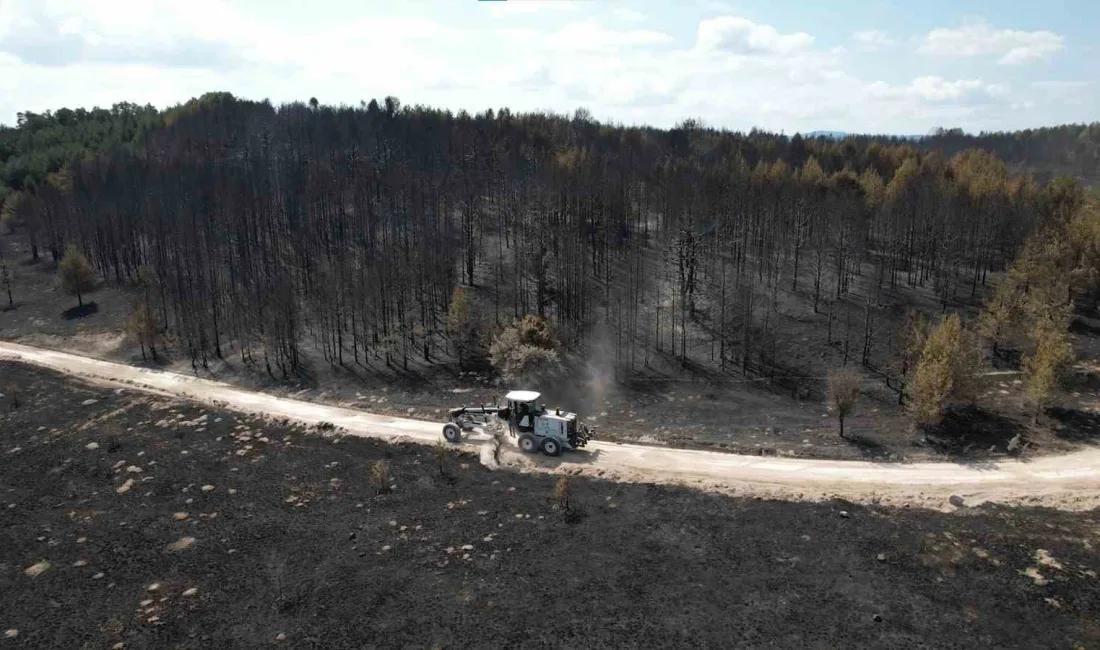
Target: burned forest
[(246, 229)]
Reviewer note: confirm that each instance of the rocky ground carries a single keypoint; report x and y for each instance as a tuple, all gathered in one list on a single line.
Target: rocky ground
[(136, 520)]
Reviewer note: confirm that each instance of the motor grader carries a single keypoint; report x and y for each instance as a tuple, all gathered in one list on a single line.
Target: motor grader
[(536, 427)]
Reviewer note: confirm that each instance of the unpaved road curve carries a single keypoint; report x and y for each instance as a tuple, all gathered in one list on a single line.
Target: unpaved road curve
[(1071, 481)]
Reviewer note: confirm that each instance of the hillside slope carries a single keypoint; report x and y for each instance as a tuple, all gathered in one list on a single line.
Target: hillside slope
[(154, 523)]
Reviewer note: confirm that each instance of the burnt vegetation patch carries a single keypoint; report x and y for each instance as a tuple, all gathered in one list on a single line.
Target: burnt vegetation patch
[(80, 311), (1075, 424), (246, 532), (971, 428)]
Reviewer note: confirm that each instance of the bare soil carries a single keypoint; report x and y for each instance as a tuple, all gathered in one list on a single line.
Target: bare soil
[(662, 405), (294, 544)]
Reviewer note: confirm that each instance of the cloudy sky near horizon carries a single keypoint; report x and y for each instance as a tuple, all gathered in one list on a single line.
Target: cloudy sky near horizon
[(879, 66)]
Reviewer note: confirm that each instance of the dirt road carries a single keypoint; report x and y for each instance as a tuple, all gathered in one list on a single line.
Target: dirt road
[(1069, 482)]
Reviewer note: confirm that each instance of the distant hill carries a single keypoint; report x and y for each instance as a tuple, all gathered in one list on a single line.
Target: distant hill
[(840, 135)]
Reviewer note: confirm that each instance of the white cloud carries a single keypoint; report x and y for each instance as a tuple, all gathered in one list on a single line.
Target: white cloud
[(1067, 93), (979, 39), (871, 39), (1061, 85), (737, 35), (590, 35), (719, 7), (730, 72), (936, 90), (59, 33), (628, 15), (505, 9)]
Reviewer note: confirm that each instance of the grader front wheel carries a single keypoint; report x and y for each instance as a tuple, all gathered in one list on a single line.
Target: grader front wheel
[(452, 433)]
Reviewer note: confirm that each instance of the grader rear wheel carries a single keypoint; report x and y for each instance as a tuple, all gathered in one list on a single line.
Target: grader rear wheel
[(550, 447), (528, 443)]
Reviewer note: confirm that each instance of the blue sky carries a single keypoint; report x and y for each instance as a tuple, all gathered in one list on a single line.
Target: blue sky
[(877, 66)]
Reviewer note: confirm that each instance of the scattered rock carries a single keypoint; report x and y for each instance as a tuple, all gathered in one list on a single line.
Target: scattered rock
[(153, 588), (92, 446), (125, 487), (881, 557), (98, 576), (280, 637), (182, 544), (1034, 574), (386, 547), (467, 547), (207, 488), (11, 634), (1043, 557), (133, 469), (190, 592), (146, 602), (80, 563), (81, 540), (37, 569), (232, 491), (957, 501), (844, 514), (88, 402), (878, 619), (180, 516)]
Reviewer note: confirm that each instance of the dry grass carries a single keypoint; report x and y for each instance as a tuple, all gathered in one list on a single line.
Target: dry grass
[(15, 396), (441, 458), (380, 476), (498, 440), (562, 494)]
